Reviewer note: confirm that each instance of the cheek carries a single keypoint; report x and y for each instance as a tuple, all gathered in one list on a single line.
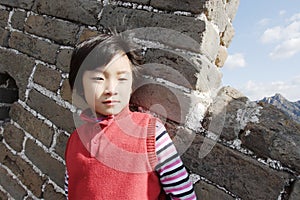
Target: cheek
[(92, 91)]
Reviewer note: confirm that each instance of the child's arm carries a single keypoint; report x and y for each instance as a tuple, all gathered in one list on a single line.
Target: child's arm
[(173, 175), (66, 183)]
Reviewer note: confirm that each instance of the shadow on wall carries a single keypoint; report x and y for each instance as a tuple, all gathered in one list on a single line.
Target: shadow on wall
[(8, 95)]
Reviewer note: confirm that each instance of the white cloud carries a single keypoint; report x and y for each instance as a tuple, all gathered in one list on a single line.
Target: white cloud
[(286, 49), (264, 22), (272, 34), (295, 17), (258, 90), (282, 12), (235, 61), (286, 38)]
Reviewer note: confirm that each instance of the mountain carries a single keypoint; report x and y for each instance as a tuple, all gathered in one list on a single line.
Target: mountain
[(292, 109)]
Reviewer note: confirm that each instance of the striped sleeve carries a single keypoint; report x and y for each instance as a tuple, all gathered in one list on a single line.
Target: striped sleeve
[(66, 183), (173, 175)]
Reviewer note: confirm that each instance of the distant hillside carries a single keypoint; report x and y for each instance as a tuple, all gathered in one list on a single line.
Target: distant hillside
[(292, 109)]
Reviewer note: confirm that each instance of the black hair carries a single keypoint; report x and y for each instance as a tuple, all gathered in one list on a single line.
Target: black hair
[(99, 51)]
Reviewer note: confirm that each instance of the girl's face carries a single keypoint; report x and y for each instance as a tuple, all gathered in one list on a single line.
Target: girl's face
[(107, 89)]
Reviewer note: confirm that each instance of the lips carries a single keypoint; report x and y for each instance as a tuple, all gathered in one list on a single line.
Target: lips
[(110, 102)]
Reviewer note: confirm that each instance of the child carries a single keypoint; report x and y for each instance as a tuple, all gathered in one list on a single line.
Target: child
[(117, 153)]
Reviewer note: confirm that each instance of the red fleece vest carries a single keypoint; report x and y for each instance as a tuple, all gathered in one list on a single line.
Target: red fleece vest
[(114, 159)]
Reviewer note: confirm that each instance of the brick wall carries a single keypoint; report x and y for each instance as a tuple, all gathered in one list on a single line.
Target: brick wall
[(37, 38)]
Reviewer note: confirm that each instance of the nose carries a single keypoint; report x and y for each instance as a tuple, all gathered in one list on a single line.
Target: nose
[(111, 88)]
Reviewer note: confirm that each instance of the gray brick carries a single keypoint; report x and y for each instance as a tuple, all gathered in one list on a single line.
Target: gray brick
[(205, 191), (14, 137), (3, 195), (19, 68), (31, 124), (50, 193), (170, 66), (174, 34), (23, 171), (295, 194), (4, 36), (62, 32), (66, 92), (275, 136), (176, 104), (18, 20), (238, 173), (4, 18), (11, 185), (144, 2), (37, 48), (63, 59), (49, 78), (60, 116), (193, 6), (25, 4), (45, 162), (87, 14), (61, 143)]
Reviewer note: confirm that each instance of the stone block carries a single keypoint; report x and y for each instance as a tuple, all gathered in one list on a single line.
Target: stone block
[(31, 124), (66, 92), (63, 59), (23, 171), (48, 78), (231, 102), (227, 35), (210, 42), (18, 66), (4, 14), (166, 101), (60, 116), (63, 32), (3, 195), (18, 19), (61, 143), (25, 4), (237, 173), (174, 67), (11, 185), (4, 36), (85, 12), (45, 162), (193, 6), (87, 33), (144, 2), (295, 194), (34, 47), (14, 137), (50, 193), (231, 8), (215, 12), (209, 78), (167, 29), (221, 57), (274, 136), (207, 191)]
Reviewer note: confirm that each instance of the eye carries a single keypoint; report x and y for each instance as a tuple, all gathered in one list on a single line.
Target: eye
[(98, 78), (123, 79)]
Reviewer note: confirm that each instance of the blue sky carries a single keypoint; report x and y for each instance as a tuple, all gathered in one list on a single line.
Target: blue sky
[(264, 55)]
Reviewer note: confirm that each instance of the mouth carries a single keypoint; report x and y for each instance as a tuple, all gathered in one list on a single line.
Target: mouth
[(110, 102)]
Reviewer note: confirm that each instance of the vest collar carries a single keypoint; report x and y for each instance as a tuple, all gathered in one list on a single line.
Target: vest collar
[(89, 116)]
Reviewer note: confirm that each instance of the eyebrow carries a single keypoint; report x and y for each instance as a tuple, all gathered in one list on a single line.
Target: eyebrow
[(118, 72)]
